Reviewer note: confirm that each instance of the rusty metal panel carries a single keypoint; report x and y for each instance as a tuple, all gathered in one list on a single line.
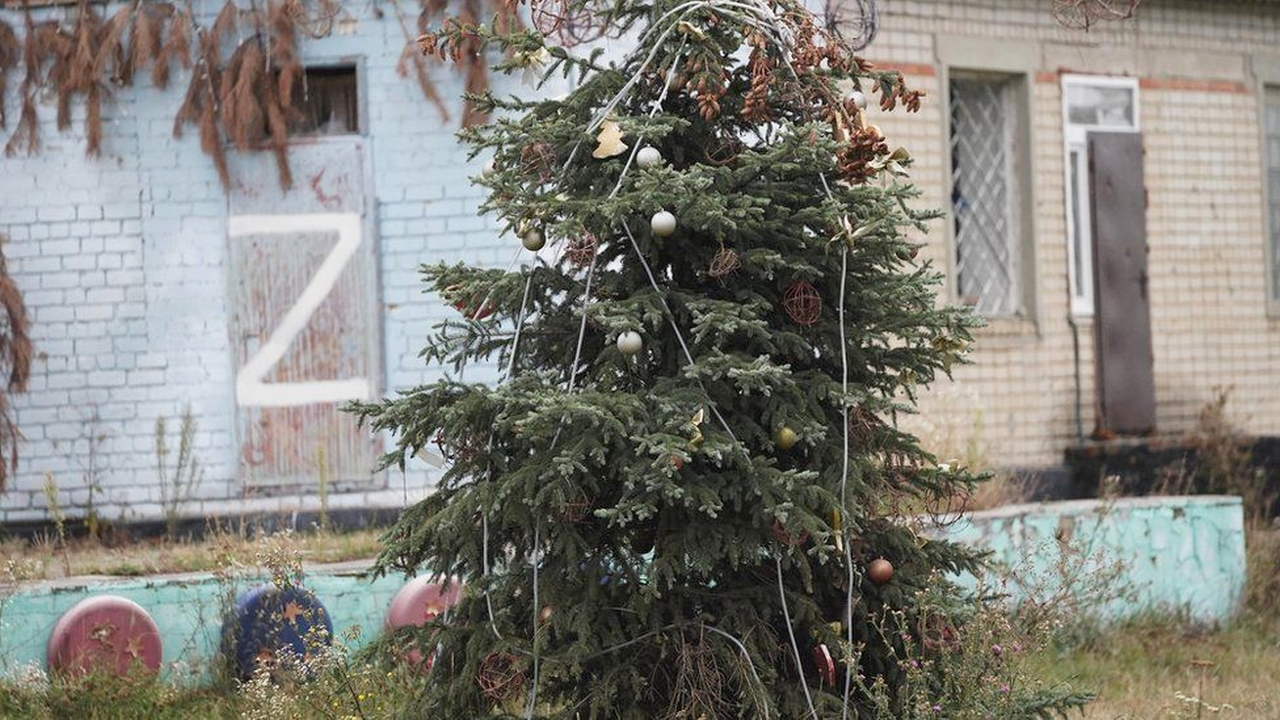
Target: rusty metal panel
[(1122, 315), (303, 300)]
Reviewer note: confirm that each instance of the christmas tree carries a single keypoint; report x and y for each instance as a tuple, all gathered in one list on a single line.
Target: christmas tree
[(687, 496)]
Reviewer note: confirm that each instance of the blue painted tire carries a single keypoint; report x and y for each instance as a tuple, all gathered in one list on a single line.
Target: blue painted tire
[(270, 624)]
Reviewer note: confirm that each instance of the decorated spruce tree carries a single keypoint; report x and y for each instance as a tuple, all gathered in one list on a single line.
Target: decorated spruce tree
[(687, 495)]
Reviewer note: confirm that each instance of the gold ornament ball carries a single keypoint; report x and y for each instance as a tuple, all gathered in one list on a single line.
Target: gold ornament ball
[(785, 438), (545, 615), (533, 240), (880, 571)]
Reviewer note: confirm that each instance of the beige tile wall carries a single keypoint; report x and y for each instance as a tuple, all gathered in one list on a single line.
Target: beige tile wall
[(1015, 405)]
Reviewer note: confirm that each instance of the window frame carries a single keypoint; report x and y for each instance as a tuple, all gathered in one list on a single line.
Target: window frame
[(355, 63), (1019, 59), (1266, 70), (1075, 138), (1008, 95)]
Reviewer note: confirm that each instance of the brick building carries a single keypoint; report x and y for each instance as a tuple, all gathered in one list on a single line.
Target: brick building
[(1015, 99), (151, 290)]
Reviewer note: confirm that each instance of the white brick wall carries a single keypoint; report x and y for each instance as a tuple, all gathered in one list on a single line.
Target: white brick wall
[(122, 261)]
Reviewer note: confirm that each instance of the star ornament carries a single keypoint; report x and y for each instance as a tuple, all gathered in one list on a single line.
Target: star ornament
[(609, 141), (134, 647), (291, 612)]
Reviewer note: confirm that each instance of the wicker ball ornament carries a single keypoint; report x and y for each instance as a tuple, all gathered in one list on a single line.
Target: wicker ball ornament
[(581, 250), (500, 677), (538, 161), (576, 509), (725, 262), (802, 303)]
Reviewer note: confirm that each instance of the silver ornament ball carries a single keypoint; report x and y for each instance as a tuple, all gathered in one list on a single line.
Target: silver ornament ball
[(533, 240), (630, 342), (663, 223), (648, 157), (859, 99)]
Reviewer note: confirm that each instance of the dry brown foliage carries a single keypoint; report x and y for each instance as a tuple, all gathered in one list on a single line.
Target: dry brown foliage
[(10, 53), (15, 352), (459, 41)]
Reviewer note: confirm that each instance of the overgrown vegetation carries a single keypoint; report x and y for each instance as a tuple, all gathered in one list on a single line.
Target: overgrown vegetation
[(179, 480), (48, 557)]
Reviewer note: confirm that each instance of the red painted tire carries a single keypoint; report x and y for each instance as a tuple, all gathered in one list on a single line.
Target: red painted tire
[(104, 632)]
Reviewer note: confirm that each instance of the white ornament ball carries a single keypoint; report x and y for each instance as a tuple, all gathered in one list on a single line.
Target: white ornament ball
[(648, 157), (663, 223), (629, 342), (490, 167), (859, 99), (533, 240)]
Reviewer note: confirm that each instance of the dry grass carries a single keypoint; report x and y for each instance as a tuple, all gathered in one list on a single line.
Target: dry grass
[(86, 556), (1158, 670)]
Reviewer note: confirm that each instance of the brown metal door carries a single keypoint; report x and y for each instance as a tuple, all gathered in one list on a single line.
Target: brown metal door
[(304, 324), (1122, 317)]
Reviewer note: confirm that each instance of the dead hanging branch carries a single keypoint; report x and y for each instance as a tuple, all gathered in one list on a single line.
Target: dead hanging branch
[(10, 53), (15, 352), (1084, 14), (249, 100), (467, 50)]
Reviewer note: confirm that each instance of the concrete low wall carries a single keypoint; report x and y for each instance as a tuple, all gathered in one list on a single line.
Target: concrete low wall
[(1116, 558), (187, 609)]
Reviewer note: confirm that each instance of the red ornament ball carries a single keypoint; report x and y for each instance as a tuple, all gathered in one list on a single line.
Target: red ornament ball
[(803, 303), (880, 571)]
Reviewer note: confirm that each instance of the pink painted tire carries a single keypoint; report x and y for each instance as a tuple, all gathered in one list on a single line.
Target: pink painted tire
[(416, 604), (420, 601), (104, 633)]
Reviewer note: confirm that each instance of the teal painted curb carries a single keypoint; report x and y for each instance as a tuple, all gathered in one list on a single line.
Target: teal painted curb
[(188, 610), (1116, 559)]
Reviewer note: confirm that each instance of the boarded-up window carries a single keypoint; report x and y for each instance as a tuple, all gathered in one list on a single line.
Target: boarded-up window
[(1271, 127), (985, 201)]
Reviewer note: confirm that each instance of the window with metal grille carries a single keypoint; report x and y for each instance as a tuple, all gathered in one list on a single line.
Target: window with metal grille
[(985, 202), (1271, 133)]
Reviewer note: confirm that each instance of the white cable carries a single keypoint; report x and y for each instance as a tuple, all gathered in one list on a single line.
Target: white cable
[(786, 614), (533, 686)]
